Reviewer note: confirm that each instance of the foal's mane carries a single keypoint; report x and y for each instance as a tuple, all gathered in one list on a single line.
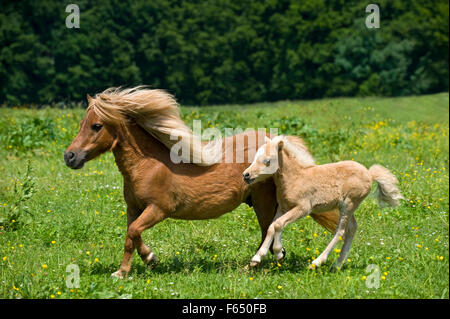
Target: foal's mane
[(154, 110), (296, 148)]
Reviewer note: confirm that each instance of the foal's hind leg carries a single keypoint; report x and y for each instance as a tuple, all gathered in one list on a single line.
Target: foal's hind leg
[(340, 231), (350, 231)]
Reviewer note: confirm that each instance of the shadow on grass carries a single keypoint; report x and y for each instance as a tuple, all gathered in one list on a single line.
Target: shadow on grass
[(293, 263)]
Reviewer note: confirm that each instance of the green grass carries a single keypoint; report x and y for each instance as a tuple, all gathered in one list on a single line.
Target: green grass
[(53, 216)]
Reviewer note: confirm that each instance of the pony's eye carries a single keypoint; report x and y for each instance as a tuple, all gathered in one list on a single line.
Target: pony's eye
[(266, 161), (96, 127)]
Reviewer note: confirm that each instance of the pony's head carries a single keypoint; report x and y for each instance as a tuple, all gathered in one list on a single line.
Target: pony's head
[(94, 138), (155, 111), (265, 163)]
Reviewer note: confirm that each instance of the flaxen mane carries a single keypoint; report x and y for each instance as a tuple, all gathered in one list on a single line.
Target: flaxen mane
[(154, 110), (295, 147)]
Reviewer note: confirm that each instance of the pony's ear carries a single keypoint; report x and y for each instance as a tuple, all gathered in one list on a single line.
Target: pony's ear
[(266, 139), (89, 98)]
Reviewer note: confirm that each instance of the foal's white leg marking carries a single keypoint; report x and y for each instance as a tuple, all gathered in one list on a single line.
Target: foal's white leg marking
[(274, 232), (277, 246), (340, 231), (349, 234), (262, 251)]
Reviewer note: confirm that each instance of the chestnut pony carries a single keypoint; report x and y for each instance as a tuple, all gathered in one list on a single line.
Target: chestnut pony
[(136, 124)]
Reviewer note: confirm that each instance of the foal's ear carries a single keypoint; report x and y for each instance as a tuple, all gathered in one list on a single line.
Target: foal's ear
[(89, 98), (266, 139), (280, 145)]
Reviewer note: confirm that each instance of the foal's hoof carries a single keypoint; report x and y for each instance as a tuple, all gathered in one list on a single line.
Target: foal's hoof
[(151, 261), (252, 264), (335, 267), (312, 267), (280, 256), (119, 274)]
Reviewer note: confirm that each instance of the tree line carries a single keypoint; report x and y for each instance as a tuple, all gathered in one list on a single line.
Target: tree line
[(222, 51)]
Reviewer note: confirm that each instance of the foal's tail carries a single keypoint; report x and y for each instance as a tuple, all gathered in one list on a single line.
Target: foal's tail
[(387, 191)]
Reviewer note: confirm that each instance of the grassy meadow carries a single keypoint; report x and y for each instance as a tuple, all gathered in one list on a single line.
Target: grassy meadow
[(52, 216)]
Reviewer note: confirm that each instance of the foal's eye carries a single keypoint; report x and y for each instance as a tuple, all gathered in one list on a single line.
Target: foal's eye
[(96, 127), (266, 161)]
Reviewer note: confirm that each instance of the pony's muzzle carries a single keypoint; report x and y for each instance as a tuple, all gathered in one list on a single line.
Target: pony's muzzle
[(74, 160)]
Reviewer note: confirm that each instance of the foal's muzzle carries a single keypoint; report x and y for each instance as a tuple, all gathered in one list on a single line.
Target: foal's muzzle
[(247, 178), (75, 160)]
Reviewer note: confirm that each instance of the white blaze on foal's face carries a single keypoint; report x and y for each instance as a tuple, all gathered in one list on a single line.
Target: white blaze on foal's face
[(265, 163)]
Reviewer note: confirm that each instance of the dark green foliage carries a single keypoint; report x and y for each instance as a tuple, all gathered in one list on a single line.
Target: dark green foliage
[(209, 51)]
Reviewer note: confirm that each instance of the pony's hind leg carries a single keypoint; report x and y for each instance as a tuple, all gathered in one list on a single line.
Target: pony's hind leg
[(350, 231)]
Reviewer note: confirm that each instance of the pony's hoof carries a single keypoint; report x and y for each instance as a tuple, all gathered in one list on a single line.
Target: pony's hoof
[(253, 264), (151, 261), (118, 274)]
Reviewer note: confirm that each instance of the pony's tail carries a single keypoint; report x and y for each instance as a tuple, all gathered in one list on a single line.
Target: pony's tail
[(387, 191)]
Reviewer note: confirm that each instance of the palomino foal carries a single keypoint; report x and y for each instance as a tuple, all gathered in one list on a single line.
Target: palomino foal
[(304, 188)]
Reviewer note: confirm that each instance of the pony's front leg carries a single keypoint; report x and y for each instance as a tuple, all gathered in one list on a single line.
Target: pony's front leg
[(149, 217), (125, 266)]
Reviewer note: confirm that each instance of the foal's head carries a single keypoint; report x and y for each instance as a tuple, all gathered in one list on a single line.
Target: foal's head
[(265, 163), (94, 138)]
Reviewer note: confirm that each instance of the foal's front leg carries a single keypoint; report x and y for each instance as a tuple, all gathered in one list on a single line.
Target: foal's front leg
[(265, 245), (279, 224), (149, 217), (274, 231)]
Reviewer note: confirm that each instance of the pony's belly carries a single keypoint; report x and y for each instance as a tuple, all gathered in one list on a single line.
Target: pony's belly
[(210, 195), (205, 210)]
